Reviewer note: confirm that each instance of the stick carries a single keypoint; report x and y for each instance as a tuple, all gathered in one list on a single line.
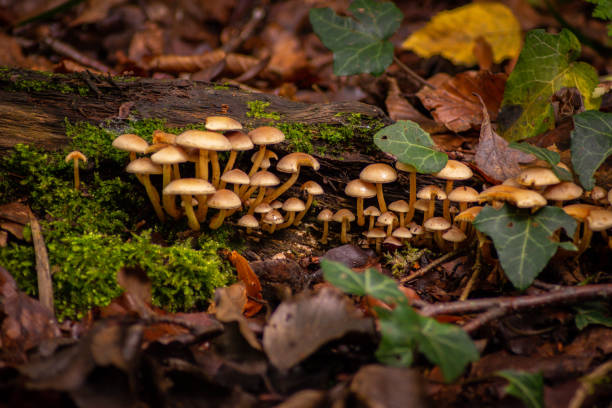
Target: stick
[(43, 272), (433, 264)]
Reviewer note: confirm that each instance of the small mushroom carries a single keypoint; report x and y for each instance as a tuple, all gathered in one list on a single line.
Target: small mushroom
[(463, 195), (236, 177), (373, 213), (454, 235), (453, 170), (292, 163), (437, 225), (291, 206), (580, 212), (377, 234), (240, 142), (401, 207), (187, 188), (412, 198), (325, 216), (312, 189), (144, 167), (159, 136), (519, 197), (75, 156), (467, 215), (169, 157), (598, 194), (222, 124), (261, 180), (276, 204), (379, 174), (273, 218), (360, 190), (263, 136), (537, 177), (131, 143), (563, 191), (431, 193), (402, 233), (224, 200), (344, 216), (249, 222), (598, 220), (388, 219), (208, 144)]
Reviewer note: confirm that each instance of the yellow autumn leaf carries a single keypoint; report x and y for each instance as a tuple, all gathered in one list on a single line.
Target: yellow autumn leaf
[(453, 33)]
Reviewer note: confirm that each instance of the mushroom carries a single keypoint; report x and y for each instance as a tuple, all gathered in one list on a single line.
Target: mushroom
[(262, 180), (379, 174), (292, 163), (325, 216), (159, 136), (431, 193), (360, 189), (312, 189), (376, 234), (402, 233), (291, 206), (453, 170), (597, 194), (417, 231), (249, 222), (224, 200), (454, 235), (265, 163), (519, 197), (412, 197), (388, 219), (537, 177), (392, 243), (401, 207), (236, 177), (579, 212), (563, 191), (131, 143), (276, 204), (168, 157), (187, 188), (208, 144), (466, 216), (373, 213), (263, 136), (240, 142), (345, 217), (222, 124), (143, 167), (463, 195), (437, 225), (75, 156), (597, 220), (273, 218)]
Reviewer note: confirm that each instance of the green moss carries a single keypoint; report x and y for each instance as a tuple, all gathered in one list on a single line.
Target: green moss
[(257, 110), (48, 82), (221, 87), (299, 136)]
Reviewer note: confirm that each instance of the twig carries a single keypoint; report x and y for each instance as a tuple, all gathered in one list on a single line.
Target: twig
[(588, 382), (475, 272), (412, 74), (70, 52), (432, 265), (484, 318), (43, 272), (258, 15)]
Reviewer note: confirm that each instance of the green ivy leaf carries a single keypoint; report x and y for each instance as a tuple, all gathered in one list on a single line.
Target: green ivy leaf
[(549, 156), (411, 145), (546, 64), (603, 10), (527, 387), (523, 240), (592, 313), (369, 282), (591, 144), (360, 45)]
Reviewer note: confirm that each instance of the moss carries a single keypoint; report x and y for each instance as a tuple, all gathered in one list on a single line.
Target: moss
[(257, 110), (48, 82), (221, 87)]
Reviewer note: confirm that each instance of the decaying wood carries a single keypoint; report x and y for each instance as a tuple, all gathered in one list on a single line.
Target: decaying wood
[(43, 272)]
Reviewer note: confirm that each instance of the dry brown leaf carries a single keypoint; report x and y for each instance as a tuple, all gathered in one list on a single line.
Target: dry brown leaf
[(146, 42), (287, 53), (483, 52), (95, 10), (183, 63), (238, 64), (251, 282), (400, 109)]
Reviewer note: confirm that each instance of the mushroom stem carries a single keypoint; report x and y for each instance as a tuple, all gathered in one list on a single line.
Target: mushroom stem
[(402, 219), (381, 198), (153, 197), (191, 216), (439, 241), (284, 187), (412, 198), (430, 209), (462, 207), (168, 199), (216, 170), (236, 188), (302, 214), (247, 194), (176, 173), (228, 166), (291, 217), (360, 217), (390, 229), (258, 159), (372, 219), (258, 200), (202, 165), (325, 232), (77, 182), (586, 238), (202, 207), (446, 204), (132, 156), (217, 220), (343, 237), (378, 241)]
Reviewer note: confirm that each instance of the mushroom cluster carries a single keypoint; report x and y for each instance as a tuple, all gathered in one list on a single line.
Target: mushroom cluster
[(190, 169)]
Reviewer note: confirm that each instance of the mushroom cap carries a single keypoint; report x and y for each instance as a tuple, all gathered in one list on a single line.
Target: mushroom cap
[(325, 215), (293, 204), (248, 221), (579, 211), (437, 224), (519, 197), (375, 233), (236, 176), (312, 188), (454, 234), (537, 177), (421, 204), (402, 233), (430, 192), (222, 123), (454, 170), (292, 162), (405, 167), (393, 241), (192, 186), (597, 193), (600, 219), (563, 191), (144, 165), (371, 211), (170, 155), (159, 136), (343, 214), (264, 178), (130, 142), (378, 173), (360, 189), (155, 147), (417, 229), (399, 206), (224, 200), (468, 215), (512, 182), (203, 139), (265, 135), (75, 155), (240, 141), (263, 208), (273, 217), (276, 204), (463, 194), (387, 218)]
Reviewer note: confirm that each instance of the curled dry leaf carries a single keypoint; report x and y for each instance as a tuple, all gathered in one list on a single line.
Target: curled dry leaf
[(251, 282), (453, 102), (382, 386), (183, 63)]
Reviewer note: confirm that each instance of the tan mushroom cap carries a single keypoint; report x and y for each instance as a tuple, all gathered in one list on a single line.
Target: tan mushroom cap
[(519, 197), (431, 191), (454, 170), (191, 186), (580, 211), (205, 140), (387, 218), (343, 214), (240, 141), (276, 204), (265, 135), (512, 182), (405, 167), (563, 191), (600, 220), (437, 224), (170, 155), (236, 176), (400, 206), (371, 211), (402, 233), (325, 215), (469, 215), (293, 204), (222, 123), (263, 208), (264, 178), (454, 234), (537, 177), (598, 193), (273, 217), (224, 200), (312, 187), (391, 240), (159, 136), (248, 221), (130, 142), (421, 205), (75, 155), (378, 173), (417, 229), (360, 189), (463, 194), (292, 162), (143, 165), (375, 233)]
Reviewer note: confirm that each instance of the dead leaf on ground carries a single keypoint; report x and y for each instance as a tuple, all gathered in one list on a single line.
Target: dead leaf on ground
[(400, 109), (493, 156), (483, 52), (453, 102), (15, 212), (94, 11), (183, 63), (301, 326), (251, 282), (287, 54), (381, 386)]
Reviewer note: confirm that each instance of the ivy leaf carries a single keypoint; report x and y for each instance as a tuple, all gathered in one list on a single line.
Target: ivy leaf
[(592, 313), (591, 144), (549, 156), (360, 45), (527, 387), (411, 145), (370, 282), (523, 241), (546, 64), (603, 10)]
